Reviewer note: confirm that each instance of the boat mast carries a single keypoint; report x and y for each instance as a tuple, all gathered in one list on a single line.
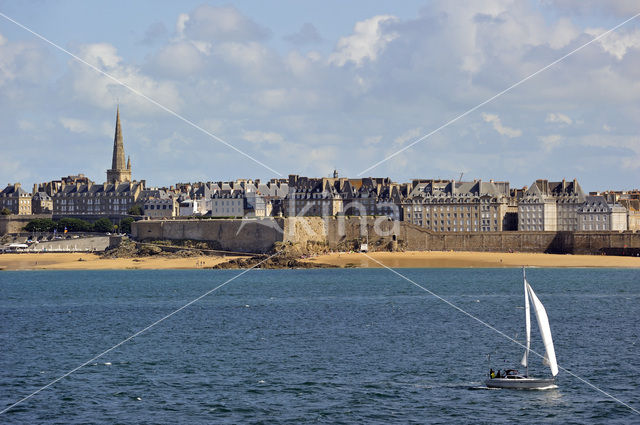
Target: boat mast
[(527, 320)]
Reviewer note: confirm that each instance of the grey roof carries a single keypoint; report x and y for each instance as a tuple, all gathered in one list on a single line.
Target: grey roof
[(106, 189), (13, 190)]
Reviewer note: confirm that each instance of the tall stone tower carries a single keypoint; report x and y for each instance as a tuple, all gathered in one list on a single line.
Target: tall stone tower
[(119, 172)]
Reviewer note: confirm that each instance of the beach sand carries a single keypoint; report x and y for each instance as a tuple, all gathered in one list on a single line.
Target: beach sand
[(428, 259), (414, 259), (79, 261)]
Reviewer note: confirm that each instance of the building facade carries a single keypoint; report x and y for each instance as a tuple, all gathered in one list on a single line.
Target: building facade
[(162, 205), (596, 214), (15, 199), (41, 203), (550, 206), (451, 206)]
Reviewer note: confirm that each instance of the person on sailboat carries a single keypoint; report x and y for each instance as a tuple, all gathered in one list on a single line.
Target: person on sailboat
[(492, 374)]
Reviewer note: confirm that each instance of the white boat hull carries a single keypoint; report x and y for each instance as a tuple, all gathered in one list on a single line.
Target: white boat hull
[(521, 383)]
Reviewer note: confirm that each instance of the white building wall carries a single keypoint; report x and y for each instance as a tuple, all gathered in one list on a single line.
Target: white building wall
[(550, 216), (619, 220), (227, 207)]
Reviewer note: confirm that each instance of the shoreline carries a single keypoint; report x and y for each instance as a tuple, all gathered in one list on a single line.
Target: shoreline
[(90, 261), (470, 259), (410, 259)]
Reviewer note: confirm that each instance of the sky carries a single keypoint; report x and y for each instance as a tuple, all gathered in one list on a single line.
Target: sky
[(212, 91)]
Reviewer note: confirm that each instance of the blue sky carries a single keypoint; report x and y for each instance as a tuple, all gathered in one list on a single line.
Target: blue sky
[(304, 87)]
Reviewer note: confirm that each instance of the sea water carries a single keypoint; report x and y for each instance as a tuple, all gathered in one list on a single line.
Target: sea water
[(313, 346)]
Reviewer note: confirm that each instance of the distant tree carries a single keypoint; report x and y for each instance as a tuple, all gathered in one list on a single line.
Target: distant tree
[(103, 225), (40, 225), (5, 211), (73, 225), (135, 210), (125, 224)]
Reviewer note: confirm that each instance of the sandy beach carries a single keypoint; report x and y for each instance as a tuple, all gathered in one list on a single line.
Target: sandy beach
[(416, 259), (420, 259), (79, 261)]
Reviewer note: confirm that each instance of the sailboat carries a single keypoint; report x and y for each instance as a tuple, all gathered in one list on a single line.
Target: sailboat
[(512, 378)]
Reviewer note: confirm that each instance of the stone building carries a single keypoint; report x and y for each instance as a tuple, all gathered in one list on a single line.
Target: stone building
[(451, 206), (550, 206), (630, 200), (228, 205), (632, 206), (160, 204), (41, 203), (598, 214), (330, 196), (371, 196), (312, 197), (114, 199), (191, 207), (15, 199)]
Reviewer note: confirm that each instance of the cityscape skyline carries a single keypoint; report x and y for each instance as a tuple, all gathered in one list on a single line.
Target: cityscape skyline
[(326, 97)]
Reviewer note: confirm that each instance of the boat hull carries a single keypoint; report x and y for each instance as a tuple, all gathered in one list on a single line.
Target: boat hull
[(520, 383)]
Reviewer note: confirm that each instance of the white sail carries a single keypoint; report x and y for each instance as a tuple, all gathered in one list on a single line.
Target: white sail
[(527, 321), (545, 331)]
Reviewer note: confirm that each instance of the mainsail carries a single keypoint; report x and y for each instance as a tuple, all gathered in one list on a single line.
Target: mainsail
[(545, 330), (527, 321)]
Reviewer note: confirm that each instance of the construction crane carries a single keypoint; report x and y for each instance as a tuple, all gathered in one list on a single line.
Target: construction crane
[(460, 179)]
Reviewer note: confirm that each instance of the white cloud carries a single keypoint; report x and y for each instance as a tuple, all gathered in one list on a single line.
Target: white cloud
[(369, 38), (179, 59), (251, 55), (617, 44), (308, 34), (407, 136), (181, 24), (103, 92), (626, 8), (75, 125), (22, 61), (172, 145), (501, 129), (386, 83), (550, 142), (220, 23), (262, 137), (558, 118), (372, 140)]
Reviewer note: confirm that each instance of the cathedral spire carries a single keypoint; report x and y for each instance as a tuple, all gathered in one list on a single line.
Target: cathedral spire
[(120, 171), (118, 146)]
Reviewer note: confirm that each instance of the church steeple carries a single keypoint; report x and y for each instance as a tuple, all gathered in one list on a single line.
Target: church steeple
[(119, 172), (118, 147)]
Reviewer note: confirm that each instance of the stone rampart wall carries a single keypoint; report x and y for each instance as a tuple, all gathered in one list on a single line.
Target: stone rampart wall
[(260, 235), (254, 235), (14, 223)]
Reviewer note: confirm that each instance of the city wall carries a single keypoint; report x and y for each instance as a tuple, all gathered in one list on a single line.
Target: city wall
[(257, 235), (260, 235), (15, 223)]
